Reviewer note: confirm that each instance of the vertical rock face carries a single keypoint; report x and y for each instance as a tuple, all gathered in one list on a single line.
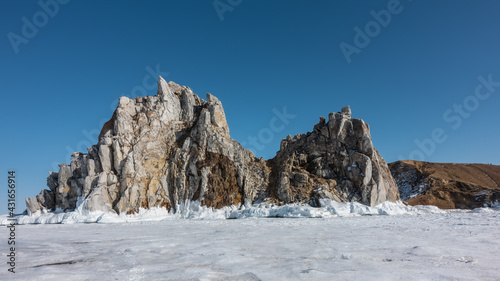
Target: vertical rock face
[(158, 151), (336, 160)]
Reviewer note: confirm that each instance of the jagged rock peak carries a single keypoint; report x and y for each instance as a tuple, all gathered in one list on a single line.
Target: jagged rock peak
[(158, 151), (346, 110), (336, 160)]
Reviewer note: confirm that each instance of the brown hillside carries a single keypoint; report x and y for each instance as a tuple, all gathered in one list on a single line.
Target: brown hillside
[(447, 185)]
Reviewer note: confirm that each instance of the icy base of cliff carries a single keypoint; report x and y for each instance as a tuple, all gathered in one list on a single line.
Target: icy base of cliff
[(194, 210)]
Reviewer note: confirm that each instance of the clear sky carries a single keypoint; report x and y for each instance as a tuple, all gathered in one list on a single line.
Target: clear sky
[(414, 77)]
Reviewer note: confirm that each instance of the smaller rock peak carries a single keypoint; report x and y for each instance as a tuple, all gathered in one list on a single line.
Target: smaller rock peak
[(346, 110), (176, 88), (163, 87), (160, 79), (168, 88), (212, 99)]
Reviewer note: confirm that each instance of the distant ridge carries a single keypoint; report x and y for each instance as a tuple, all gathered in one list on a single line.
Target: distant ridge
[(447, 185)]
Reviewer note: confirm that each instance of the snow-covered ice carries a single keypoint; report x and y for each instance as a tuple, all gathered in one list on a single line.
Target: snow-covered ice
[(451, 245)]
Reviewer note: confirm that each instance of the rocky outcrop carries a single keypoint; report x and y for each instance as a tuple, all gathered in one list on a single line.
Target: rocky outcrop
[(159, 151), (447, 185), (336, 160)]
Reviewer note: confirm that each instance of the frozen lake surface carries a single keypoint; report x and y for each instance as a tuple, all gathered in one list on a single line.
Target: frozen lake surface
[(444, 246)]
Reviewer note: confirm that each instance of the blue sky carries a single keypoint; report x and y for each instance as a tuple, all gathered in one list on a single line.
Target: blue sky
[(62, 71)]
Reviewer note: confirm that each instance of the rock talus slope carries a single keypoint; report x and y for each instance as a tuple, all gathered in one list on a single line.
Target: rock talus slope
[(158, 151)]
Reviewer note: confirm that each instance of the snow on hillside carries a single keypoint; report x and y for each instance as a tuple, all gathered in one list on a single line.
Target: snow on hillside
[(443, 246)]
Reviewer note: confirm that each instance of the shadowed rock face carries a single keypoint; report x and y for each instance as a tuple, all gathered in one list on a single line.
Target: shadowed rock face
[(447, 185), (158, 151), (336, 160)]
